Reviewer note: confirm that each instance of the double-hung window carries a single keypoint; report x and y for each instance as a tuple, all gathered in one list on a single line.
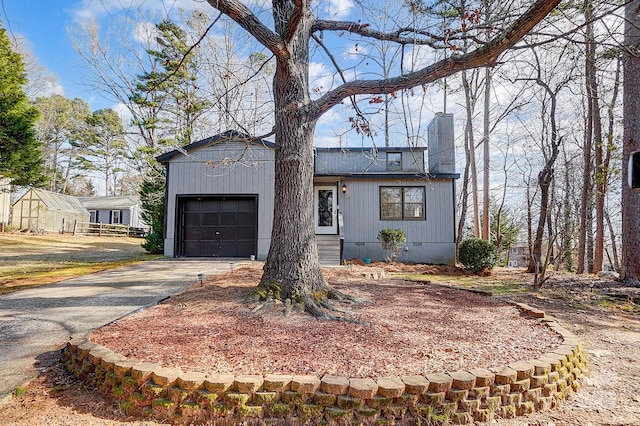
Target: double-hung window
[(115, 217), (402, 203)]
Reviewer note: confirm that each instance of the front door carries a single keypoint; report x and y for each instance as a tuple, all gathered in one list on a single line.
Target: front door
[(325, 210)]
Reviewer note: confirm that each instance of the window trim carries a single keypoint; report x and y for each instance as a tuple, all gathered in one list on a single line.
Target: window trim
[(93, 214), (402, 203), (113, 215)]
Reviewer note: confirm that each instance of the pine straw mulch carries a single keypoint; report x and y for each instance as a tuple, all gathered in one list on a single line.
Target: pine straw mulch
[(411, 328), (611, 333)]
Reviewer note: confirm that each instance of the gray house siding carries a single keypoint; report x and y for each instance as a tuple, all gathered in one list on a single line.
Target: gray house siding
[(5, 202), (215, 171), (220, 192), (101, 209), (428, 241), (441, 144), (331, 161)]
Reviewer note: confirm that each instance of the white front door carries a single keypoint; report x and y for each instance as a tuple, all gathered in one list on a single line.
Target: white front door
[(325, 210)]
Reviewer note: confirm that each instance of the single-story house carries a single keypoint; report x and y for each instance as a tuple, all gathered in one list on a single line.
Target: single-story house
[(219, 198), (44, 211), (124, 210)]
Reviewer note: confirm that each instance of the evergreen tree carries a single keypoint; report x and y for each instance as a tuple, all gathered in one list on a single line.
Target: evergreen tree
[(102, 147), (61, 121), (152, 207), (20, 151), (168, 96), (169, 92)]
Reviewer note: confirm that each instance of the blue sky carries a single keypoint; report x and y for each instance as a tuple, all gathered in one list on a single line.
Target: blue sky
[(44, 25)]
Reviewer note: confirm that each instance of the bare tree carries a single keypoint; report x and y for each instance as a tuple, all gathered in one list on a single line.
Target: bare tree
[(550, 151), (292, 269)]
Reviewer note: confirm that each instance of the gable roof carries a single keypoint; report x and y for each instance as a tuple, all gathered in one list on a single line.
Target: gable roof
[(109, 203), (222, 137), (55, 201)]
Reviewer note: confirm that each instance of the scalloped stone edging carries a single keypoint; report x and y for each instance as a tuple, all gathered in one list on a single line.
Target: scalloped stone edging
[(461, 397)]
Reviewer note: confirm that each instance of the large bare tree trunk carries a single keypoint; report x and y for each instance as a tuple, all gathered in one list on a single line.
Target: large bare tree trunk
[(596, 119), (292, 270), (630, 268)]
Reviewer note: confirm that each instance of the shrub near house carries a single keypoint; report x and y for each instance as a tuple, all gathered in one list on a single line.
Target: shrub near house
[(392, 241), (476, 254)]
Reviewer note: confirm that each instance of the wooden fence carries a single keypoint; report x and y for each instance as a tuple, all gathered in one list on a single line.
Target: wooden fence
[(105, 229)]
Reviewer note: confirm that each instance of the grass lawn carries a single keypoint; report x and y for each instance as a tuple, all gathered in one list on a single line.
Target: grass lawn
[(28, 260), (501, 284)]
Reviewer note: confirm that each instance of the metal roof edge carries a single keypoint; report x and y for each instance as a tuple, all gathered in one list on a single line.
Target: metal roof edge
[(163, 158)]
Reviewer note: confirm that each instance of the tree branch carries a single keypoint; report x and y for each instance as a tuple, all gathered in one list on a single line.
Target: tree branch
[(237, 11), (294, 21), (353, 100), (486, 55), (365, 31)]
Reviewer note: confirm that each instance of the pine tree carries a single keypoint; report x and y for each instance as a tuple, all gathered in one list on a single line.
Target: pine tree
[(152, 207), (102, 147), (168, 95), (20, 151)]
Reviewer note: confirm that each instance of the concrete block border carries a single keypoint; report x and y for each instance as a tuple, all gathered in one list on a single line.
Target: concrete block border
[(460, 397)]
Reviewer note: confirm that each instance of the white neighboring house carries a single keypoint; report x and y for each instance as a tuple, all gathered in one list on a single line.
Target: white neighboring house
[(5, 202), (123, 210)]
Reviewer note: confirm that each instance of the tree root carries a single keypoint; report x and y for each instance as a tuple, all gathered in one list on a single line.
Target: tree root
[(320, 304), (334, 294), (320, 300), (323, 309)]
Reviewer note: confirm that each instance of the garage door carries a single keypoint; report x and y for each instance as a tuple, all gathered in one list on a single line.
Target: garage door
[(218, 226)]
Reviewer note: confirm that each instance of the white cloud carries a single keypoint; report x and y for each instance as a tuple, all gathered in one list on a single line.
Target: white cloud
[(89, 9), (335, 9), (341, 8), (51, 87), (145, 32), (419, 57), (123, 111), (320, 79), (355, 50)]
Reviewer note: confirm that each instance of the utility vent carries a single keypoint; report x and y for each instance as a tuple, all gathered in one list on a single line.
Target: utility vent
[(417, 243), (360, 243)]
